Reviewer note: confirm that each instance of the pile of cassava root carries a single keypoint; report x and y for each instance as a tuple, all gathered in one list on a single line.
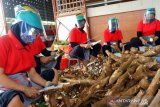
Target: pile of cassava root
[(132, 80)]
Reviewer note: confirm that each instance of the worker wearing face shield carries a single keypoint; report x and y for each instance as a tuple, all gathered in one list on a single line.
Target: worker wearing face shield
[(148, 30), (17, 60), (112, 37), (79, 45)]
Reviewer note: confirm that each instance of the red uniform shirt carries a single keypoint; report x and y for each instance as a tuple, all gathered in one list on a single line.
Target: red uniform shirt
[(14, 57), (148, 29), (112, 37), (77, 36), (37, 46)]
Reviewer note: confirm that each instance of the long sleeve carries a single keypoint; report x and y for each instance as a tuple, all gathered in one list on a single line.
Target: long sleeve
[(46, 52), (139, 34), (73, 44)]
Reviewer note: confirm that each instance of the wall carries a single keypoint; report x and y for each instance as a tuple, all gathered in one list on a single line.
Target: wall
[(128, 13)]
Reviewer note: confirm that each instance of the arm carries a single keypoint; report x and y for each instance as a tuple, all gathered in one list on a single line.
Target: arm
[(35, 77), (119, 43), (73, 44), (46, 52), (8, 83), (45, 59), (140, 32), (144, 42), (157, 35), (56, 76), (139, 35)]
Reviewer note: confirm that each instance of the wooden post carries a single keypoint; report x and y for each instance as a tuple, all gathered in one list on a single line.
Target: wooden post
[(3, 18), (55, 18)]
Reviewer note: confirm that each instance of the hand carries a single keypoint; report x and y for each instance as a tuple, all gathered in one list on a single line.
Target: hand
[(155, 38), (144, 42), (104, 43), (121, 45), (56, 76), (49, 83), (31, 92), (52, 53), (45, 59), (88, 46), (116, 47), (60, 52)]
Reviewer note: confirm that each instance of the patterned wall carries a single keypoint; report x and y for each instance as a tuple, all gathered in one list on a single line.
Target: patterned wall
[(44, 7)]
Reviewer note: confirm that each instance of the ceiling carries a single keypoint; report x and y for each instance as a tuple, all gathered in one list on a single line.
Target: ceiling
[(44, 7), (93, 1), (96, 3), (109, 1)]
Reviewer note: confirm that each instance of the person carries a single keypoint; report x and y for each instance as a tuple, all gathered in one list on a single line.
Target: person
[(50, 35), (148, 31), (48, 66), (78, 45), (17, 61), (112, 37)]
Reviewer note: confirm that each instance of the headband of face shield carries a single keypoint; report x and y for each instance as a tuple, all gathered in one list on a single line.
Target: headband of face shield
[(149, 15), (112, 25), (25, 33)]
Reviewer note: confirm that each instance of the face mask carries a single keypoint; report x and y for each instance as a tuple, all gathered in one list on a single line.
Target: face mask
[(150, 20), (28, 33), (81, 23)]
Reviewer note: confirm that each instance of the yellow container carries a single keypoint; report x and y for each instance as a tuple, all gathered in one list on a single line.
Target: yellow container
[(62, 47)]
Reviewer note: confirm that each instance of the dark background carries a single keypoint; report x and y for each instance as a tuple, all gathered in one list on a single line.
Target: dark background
[(45, 8)]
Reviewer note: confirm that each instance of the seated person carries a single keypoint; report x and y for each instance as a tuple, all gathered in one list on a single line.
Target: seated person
[(148, 31), (112, 37), (17, 61), (50, 36), (49, 66), (78, 47)]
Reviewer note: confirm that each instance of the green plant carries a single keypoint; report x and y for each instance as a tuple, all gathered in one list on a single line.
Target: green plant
[(62, 43)]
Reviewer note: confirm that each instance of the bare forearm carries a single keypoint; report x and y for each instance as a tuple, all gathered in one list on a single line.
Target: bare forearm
[(6, 82), (36, 77), (141, 38), (56, 77)]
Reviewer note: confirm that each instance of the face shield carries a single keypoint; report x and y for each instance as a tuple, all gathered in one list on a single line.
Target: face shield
[(31, 22), (113, 24), (28, 33), (81, 23), (149, 15)]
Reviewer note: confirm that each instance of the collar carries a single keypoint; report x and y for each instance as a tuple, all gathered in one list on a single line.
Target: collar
[(15, 41)]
